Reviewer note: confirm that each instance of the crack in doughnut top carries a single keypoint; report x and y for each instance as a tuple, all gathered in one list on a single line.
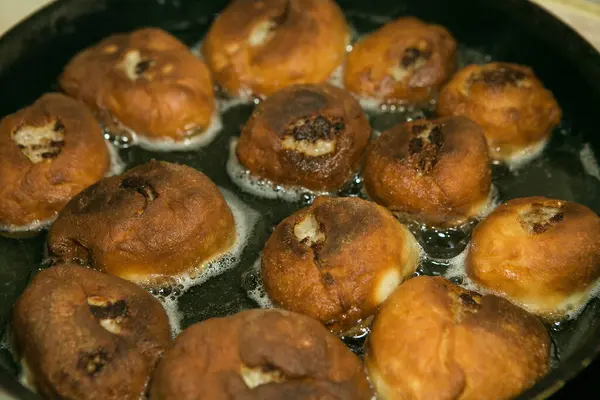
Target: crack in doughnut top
[(260, 46), (49, 152), (259, 354), (147, 81), (86, 335), (541, 253), (155, 222), (337, 260), (405, 60), (512, 106), (434, 340), (435, 172), (307, 135)]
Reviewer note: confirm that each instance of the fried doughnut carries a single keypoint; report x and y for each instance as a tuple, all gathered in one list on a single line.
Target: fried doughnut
[(147, 81), (82, 334), (435, 172), (307, 135), (259, 354), (337, 260), (256, 47), (404, 61), (541, 253), (512, 106), (49, 152), (434, 340), (155, 222)]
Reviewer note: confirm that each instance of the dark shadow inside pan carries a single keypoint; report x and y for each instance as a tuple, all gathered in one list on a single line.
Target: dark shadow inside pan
[(33, 54)]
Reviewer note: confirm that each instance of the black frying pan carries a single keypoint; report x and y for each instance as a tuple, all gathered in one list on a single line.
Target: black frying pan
[(33, 54)]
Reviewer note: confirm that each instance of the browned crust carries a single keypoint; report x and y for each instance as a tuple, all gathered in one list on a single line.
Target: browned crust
[(434, 340), (513, 116), (425, 53), (156, 221), (37, 191), (70, 355), (260, 147), (207, 358), (542, 267), (172, 98), (442, 187), (337, 281), (307, 44)]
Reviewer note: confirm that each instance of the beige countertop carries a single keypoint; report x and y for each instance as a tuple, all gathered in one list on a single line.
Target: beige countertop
[(583, 15)]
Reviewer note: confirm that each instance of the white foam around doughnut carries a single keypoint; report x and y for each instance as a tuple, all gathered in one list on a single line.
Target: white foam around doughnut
[(258, 293), (588, 161), (522, 157), (490, 204), (191, 143), (117, 165), (337, 77), (261, 187), (231, 102), (36, 225), (26, 377), (245, 219)]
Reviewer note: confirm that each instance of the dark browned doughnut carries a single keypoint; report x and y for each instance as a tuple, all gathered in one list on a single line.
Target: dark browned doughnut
[(83, 334), (262, 355)]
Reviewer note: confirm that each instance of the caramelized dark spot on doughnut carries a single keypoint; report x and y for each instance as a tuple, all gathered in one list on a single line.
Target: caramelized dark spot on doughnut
[(424, 147), (468, 300), (268, 367), (93, 363), (313, 128), (112, 310), (541, 217), (412, 55), (58, 126), (141, 186), (328, 279), (143, 66), (415, 145), (284, 15), (463, 302), (51, 154), (502, 76)]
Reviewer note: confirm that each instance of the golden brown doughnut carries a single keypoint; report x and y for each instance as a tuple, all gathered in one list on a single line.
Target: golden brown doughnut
[(435, 172), (307, 135), (49, 152), (541, 253), (404, 61), (146, 80), (337, 260), (259, 354), (155, 222), (256, 47), (86, 335), (512, 106), (434, 340)]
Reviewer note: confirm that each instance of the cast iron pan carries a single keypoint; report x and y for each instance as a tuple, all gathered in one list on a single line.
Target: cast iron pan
[(33, 54)]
